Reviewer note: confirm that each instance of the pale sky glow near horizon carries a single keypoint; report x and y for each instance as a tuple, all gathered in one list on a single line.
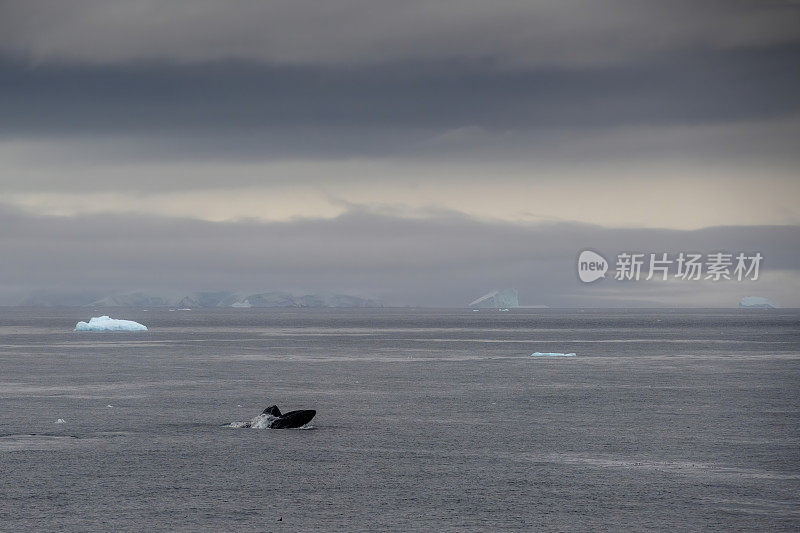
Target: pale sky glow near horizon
[(298, 146)]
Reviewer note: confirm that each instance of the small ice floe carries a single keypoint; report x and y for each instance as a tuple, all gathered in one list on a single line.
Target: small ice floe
[(757, 302), (552, 354), (106, 323), (60, 421)]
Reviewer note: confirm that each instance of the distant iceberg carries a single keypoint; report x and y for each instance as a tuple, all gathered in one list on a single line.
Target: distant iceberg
[(201, 299), (552, 354), (502, 299), (757, 302), (133, 299), (105, 323), (322, 300)]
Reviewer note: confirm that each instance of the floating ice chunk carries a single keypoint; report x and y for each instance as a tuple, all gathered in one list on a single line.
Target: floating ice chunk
[(105, 323), (60, 421), (552, 354), (757, 302)]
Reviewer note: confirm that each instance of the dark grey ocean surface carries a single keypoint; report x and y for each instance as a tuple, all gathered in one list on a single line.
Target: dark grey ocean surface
[(426, 420)]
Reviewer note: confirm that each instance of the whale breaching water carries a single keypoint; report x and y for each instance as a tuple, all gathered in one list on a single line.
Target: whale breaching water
[(272, 418)]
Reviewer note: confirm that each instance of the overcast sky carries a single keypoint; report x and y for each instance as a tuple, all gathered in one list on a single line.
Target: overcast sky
[(419, 152)]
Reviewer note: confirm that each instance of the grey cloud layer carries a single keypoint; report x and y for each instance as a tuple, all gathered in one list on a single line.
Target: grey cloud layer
[(689, 81), (221, 97), (107, 95), (438, 260), (367, 32), (247, 112)]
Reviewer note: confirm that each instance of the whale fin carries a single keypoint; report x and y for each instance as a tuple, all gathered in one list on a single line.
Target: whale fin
[(273, 410)]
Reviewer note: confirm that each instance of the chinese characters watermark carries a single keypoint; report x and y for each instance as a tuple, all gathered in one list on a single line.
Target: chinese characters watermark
[(685, 266)]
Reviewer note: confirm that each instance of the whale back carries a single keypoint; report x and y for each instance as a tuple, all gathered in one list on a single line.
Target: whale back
[(293, 419)]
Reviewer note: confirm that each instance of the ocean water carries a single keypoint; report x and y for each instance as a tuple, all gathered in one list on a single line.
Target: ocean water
[(435, 420)]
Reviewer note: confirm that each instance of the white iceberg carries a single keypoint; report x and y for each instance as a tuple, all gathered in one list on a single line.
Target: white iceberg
[(757, 302), (501, 299), (552, 354), (105, 323)]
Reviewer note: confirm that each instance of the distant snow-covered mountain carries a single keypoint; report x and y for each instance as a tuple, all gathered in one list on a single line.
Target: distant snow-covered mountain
[(201, 299)]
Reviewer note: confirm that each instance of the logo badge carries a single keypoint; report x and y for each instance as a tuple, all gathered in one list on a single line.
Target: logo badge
[(591, 266)]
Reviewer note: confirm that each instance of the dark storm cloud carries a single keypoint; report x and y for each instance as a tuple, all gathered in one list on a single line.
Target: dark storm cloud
[(443, 259), (276, 106), (358, 32), (512, 81)]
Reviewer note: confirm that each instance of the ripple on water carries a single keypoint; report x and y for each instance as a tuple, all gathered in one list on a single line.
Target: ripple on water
[(42, 442)]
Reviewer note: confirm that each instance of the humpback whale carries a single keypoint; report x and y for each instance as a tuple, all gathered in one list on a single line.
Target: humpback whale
[(272, 418)]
